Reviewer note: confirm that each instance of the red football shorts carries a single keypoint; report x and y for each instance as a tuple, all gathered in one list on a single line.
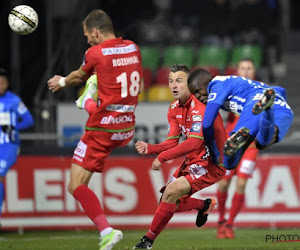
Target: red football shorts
[(246, 166), (95, 146), (199, 176)]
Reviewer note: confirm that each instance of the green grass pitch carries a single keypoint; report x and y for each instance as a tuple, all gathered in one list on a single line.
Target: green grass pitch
[(181, 239)]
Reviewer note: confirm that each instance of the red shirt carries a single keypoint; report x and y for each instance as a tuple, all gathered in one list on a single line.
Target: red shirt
[(118, 64), (186, 120)]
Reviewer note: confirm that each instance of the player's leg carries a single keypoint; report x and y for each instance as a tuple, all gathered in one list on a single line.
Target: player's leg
[(282, 120), (267, 124), (8, 157), (164, 211), (89, 156), (88, 99), (244, 172), (222, 194), (243, 134), (78, 187), (236, 205)]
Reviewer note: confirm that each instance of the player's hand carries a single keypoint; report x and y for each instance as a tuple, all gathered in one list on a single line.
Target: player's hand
[(156, 164), (53, 83), (141, 147)]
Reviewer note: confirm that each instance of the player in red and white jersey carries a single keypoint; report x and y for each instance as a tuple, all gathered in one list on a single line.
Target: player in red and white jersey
[(118, 65), (196, 172), (243, 172)]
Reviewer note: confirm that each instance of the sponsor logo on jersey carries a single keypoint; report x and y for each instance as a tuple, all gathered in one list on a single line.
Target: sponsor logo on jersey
[(178, 116), (22, 108), (212, 96), (196, 127), (125, 61), (122, 136), (196, 171), (116, 120), (197, 118), (119, 50), (195, 111), (5, 118), (121, 108), (80, 149)]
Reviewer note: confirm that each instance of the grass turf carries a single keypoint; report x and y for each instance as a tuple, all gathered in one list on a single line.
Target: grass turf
[(181, 239)]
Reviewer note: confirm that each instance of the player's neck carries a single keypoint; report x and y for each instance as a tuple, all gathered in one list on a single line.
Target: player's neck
[(108, 37)]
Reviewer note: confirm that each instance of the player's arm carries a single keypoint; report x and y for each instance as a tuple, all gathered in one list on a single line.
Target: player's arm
[(211, 113), (184, 148), (25, 119), (171, 141), (75, 77)]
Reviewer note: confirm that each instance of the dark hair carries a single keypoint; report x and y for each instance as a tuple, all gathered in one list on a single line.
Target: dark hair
[(202, 75), (3, 72), (180, 67), (98, 19), (246, 59)]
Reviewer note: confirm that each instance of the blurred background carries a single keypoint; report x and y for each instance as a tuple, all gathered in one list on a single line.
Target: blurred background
[(213, 34)]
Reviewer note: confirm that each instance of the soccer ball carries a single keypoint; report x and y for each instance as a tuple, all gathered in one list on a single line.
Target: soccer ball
[(23, 19)]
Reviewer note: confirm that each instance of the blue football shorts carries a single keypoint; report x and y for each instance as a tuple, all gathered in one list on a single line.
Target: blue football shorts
[(8, 157)]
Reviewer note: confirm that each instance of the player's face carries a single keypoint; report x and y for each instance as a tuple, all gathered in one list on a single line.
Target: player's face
[(246, 69), (178, 86), (91, 36), (3, 85), (199, 89)]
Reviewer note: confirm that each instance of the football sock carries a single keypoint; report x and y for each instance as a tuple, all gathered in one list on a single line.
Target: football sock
[(162, 215), (232, 161), (90, 105), (2, 193), (222, 197), (91, 206), (266, 127), (189, 204), (236, 205)]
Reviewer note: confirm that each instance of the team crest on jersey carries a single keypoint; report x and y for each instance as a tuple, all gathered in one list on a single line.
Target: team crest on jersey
[(212, 96), (196, 127), (197, 118)]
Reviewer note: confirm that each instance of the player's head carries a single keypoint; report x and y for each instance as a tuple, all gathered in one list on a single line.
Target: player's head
[(246, 68), (178, 76), (3, 81), (97, 25), (198, 82)]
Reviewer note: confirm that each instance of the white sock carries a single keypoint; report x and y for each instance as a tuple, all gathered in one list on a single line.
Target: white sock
[(106, 231)]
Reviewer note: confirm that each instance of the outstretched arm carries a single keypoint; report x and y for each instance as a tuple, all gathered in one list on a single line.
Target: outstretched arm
[(76, 77), (145, 148)]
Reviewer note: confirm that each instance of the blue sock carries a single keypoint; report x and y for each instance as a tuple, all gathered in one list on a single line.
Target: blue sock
[(2, 192), (231, 162), (266, 127)]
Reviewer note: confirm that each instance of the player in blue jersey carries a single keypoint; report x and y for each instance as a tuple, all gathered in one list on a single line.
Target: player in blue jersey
[(14, 116), (264, 113)]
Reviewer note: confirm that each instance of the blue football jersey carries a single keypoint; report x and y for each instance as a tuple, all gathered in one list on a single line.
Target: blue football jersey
[(12, 113), (233, 92)]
